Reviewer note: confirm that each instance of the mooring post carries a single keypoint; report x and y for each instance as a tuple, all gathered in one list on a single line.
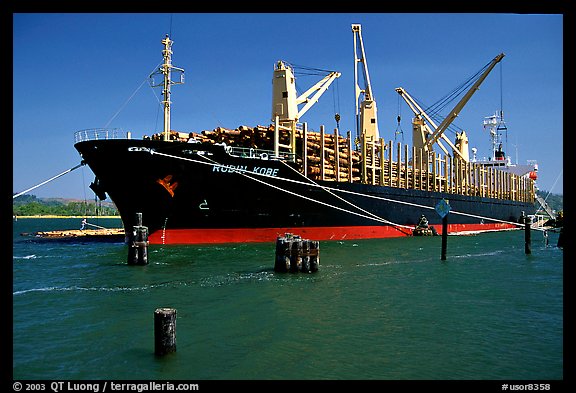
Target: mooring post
[(282, 263), (444, 236), (294, 254), (527, 234), (138, 243), (164, 331), (315, 255)]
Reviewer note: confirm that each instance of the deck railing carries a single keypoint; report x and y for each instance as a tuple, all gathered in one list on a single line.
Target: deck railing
[(92, 134)]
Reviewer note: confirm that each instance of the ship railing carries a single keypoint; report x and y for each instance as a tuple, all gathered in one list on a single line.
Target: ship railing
[(262, 154), (92, 134)]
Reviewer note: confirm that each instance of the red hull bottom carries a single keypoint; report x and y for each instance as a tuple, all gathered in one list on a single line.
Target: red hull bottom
[(262, 235)]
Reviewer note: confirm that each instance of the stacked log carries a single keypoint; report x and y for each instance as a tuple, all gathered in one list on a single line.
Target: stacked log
[(262, 137)]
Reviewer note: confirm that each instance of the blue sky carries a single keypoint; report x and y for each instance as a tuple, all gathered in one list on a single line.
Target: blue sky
[(76, 71)]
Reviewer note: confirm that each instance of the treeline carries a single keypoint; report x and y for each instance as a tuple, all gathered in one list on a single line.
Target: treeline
[(30, 205), (555, 201)]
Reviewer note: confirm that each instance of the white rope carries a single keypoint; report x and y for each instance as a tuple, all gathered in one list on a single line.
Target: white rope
[(348, 202), (48, 181), (239, 170), (299, 195), (130, 98), (95, 226)]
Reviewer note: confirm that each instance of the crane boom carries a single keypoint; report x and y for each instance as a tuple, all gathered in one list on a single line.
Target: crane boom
[(320, 88), (366, 119), (419, 113), (284, 100), (454, 113)]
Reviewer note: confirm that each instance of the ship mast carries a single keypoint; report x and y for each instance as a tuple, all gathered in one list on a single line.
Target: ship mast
[(166, 70)]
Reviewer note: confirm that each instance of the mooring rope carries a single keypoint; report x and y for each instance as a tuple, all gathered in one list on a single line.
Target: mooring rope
[(240, 171), (49, 180), (375, 218), (345, 200)]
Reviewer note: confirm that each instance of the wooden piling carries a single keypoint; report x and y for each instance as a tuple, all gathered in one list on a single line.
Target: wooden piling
[(164, 331), (138, 243), (294, 254), (527, 234)]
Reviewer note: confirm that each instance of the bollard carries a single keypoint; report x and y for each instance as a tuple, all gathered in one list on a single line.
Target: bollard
[(164, 331), (138, 243), (444, 236)]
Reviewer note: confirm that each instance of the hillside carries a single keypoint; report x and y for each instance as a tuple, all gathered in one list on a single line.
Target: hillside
[(555, 201), (30, 205)]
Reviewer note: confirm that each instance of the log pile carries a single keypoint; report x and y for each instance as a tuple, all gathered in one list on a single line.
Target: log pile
[(319, 166)]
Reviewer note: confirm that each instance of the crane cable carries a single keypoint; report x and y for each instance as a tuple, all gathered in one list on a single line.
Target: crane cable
[(399, 130)]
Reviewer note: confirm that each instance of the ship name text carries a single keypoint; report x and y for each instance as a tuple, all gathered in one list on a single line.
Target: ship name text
[(244, 168)]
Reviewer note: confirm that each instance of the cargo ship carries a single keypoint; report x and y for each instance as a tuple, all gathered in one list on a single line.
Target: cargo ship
[(255, 183)]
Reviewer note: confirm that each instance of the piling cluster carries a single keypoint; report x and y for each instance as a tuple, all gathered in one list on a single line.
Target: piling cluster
[(294, 254)]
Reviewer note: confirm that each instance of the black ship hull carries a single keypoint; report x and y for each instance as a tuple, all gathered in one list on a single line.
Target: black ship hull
[(194, 193)]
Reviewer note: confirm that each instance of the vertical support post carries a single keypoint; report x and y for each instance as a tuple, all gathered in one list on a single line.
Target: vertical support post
[(406, 177), (427, 170), (399, 165), (434, 172), (138, 243), (164, 331), (350, 161), (383, 176), (276, 136), (527, 234), (420, 166), (414, 167), (364, 175), (305, 148), (337, 154), (446, 173), (373, 158), (444, 236), (390, 163), (322, 153)]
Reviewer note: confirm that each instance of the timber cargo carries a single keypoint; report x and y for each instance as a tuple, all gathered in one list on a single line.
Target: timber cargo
[(255, 183)]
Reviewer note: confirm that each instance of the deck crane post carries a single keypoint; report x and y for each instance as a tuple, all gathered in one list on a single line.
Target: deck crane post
[(366, 112), (166, 70), (421, 129), (454, 112), (285, 111)]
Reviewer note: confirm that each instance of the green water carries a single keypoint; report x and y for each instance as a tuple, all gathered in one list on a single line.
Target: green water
[(376, 309)]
